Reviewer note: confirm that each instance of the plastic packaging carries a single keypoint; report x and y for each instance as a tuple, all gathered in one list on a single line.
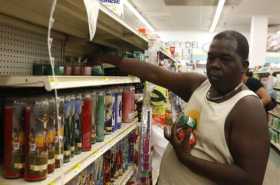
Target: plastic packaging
[(118, 112), (13, 139), (128, 106), (86, 122), (100, 117), (67, 129), (109, 112), (36, 156), (184, 123), (78, 103), (93, 117), (51, 132), (59, 145)]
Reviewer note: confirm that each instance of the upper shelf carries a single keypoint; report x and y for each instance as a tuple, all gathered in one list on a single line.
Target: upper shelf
[(64, 82), (168, 56), (71, 18)]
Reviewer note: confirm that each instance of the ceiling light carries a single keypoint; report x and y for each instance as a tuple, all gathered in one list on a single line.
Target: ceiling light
[(138, 15), (278, 32), (218, 13)]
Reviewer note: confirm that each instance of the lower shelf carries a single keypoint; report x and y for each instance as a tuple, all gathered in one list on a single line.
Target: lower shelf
[(122, 180), (277, 146), (80, 162)]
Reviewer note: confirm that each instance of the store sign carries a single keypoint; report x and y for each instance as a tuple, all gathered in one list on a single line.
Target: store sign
[(115, 6)]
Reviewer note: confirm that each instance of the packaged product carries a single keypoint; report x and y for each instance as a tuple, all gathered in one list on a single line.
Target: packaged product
[(67, 129), (128, 106), (77, 125), (184, 123), (36, 154), (118, 108), (51, 132), (86, 122), (93, 117), (108, 112), (100, 117), (14, 138), (59, 133)]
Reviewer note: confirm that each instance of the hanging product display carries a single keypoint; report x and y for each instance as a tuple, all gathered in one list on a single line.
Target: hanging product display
[(128, 106), (36, 156), (93, 117), (100, 117), (59, 145), (67, 129), (86, 122), (13, 139), (51, 132), (77, 138)]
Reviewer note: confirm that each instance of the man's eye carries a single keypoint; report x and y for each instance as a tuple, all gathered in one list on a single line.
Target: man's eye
[(211, 57)]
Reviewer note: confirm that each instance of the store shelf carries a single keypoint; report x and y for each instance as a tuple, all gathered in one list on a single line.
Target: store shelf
[(277, 146), (168, 56), (126, 176), (80, 162), (275, 114), (64, 82), (71, 18)]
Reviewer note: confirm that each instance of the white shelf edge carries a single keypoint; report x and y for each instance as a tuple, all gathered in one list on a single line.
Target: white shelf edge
[(122, 180), (79, 162), (65, 82), (275, 145)]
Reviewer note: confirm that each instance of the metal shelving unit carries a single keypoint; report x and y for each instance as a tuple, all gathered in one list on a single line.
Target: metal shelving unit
[(122, 180), (64, 82), (82, 161), (111, 30)]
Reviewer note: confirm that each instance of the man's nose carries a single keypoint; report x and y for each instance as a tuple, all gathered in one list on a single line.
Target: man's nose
[(216, 63)]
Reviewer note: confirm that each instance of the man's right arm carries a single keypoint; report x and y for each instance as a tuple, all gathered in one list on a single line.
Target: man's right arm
[(182, 84)]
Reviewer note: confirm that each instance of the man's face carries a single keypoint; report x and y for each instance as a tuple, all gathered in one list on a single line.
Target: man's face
[(224, 69)]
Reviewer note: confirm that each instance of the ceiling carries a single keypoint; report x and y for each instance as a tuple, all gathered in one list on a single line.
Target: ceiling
[(197, 15)]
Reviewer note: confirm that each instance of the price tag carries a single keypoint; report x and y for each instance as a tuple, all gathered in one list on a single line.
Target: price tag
[(52, 183), (77, 166)]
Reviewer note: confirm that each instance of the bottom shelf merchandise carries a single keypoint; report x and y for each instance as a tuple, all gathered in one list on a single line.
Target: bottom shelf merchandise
[(115, 167)]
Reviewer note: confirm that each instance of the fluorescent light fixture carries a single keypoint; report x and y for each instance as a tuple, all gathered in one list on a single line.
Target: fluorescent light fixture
[(138, 15), (218, 13)]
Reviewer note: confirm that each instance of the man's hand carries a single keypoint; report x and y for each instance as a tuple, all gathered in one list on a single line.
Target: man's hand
[(182, 148)]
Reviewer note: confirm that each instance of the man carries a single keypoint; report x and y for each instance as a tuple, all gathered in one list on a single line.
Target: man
[(255, 85), (232, 145)]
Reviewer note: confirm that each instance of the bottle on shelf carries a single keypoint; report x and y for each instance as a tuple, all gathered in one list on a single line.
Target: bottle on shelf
[(59, 126), (51, 132), (86, 122), (36, 154), (67, 129), (100, 117), (13, 138)]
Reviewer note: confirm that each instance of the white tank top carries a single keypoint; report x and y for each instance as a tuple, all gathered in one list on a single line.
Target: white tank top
[(211, 143)]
